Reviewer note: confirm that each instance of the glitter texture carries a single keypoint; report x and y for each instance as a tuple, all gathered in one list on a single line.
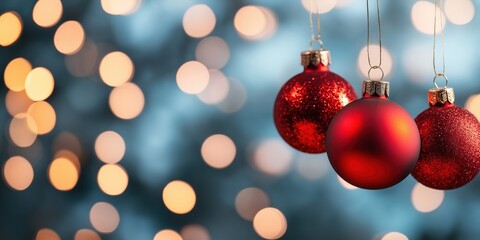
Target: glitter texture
[(450, 154), (307, 103)]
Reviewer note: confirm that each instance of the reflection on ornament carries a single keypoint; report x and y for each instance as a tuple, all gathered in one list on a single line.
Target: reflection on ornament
[(373, 143), (307, 103)]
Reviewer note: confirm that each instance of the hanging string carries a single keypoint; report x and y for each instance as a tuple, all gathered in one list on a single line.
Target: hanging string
[(372, 67), (437, 74), (315, 36)]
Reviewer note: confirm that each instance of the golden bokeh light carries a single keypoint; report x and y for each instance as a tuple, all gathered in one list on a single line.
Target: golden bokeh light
[(16, 73), (426, 199), (192, 77), (112, 179), (18, 173), (104, 217), (213, 52), (249, 201), (255, 23), (346, 184), (273, 157), (116, 68), (110, 147), (167, 234), (199, 21), (17, 102), (69, 37), (422, 16), (313, 167), (47, 13), (124, 7), (387, 62), (270, 223), (39, 84), (218, 151), (324, 6), (394, 236), (63, 174), (42, 117), (47, 234), (86, 234), (179, 197), (84, 62), (67, 140), (64, 153), (20, 132), (194, 232), (217, 88), (11, 27), (127, 101), (473, 105), (459, 12)]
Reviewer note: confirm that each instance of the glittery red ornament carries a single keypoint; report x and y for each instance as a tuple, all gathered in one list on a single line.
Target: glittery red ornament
[(373, 143), (450, 135), (307, 103)]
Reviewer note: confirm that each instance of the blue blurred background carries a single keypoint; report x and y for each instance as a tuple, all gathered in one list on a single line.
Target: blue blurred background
[(162, 130)]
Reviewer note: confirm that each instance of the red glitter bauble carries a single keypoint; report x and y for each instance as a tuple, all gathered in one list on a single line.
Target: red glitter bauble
[(373, 143), (450, 154), (307, 103)]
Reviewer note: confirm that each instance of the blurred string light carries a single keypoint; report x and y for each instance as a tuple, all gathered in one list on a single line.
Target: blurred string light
[(86, 234), (116, 68), (194, 232), (124, 7), (127, 101), (426, 199), (104, 217), (255, 22), (473, 105), (394, 236), (11, 27), (213, 52), (422, 16), (273, 157), (39, 84), (63, 174), (64, 153), (42, 117), (84, 62), (17, 102), (179, 197), (192, 77), (345, 184), (110, 147), (217, 88), (218, 151), (16, 73), (459, 12), (311, 166), (69, 37), (324, 6), (199, 21), (249, 201), (47, 13), (20, 131), (46, 234), (112, 179), (167, 234), (387, 62), (270, 223), (18, 173)]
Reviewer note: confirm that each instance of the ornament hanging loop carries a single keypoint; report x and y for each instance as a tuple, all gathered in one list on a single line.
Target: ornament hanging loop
[(437, 74), (316, 38), (435, 80), (376, 68), (379, 25)]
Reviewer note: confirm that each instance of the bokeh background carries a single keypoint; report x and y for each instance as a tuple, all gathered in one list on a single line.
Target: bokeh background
[(131, 119)]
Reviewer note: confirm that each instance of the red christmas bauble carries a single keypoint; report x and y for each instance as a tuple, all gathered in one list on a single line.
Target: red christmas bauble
[(450, 154), (373, 143), (307, 103)]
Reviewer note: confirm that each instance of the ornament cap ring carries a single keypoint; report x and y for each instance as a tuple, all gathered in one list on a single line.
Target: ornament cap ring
[(376, 67), (315, 40), (440, 75)]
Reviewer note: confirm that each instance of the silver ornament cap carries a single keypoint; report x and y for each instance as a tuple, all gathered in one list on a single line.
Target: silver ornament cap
[(376, 88), (313, 58), (441, 96)]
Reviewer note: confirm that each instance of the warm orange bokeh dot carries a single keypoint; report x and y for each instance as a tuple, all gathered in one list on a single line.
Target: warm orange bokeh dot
[(124, 7), (20, 132), (39, 84), (10, 28), (179, 197), (192, 77), (47, 13), (110, 147), (199, 21), (69, 37), (218, 151), (116, 68), (42, 117), (47, 234), (112, 179), (249, 201), (270, 223), (104, 217), (194, 232), (64, 153), (17, 102), (167, 234), (63, 174), (127, 101), (18, 173), (16, 73), (86, 234)]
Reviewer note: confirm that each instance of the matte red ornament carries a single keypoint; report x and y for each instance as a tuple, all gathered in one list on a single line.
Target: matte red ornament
[(450, 135), (373, 143), (307, 103)]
